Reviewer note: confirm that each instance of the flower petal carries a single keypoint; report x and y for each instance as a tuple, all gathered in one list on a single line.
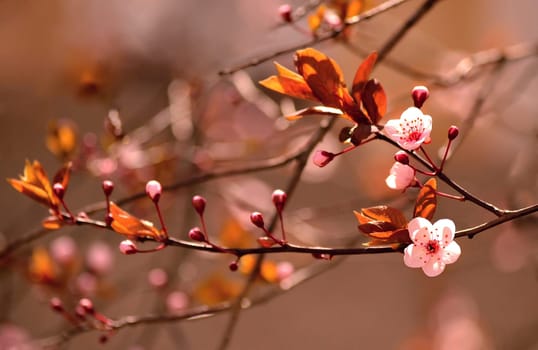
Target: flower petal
[(401, 176), (415, 256), (392, 129), (419, 230), (434, 267), (451, 253), (443, 231)]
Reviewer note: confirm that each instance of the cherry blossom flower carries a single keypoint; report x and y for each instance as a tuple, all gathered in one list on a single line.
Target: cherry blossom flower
[(401, 176), (411, 130), (433, 245)]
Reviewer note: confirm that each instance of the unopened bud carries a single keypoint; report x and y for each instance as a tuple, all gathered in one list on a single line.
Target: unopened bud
[(285, 12), (154, 190), (453, 132), (128, 247), (87, 305), (266, 242), (197, 235), (257, 219), (233, 266), (59, 190), (56, 304), (322, 158), (198, 202), (108, 187), (401, 157), (279, 199), (420, 94)]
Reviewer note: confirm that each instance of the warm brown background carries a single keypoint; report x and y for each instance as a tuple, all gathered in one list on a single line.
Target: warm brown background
[(486, 300)]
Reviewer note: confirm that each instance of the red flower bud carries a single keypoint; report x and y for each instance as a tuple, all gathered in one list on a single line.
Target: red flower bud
[(420, 94), (56, 304), (453, 132), (87, 305), (197, 235), (59, 190), (279, 199), (128, 247), (401, 157), (322, 158), (233, 266), (154, 190), (285, 12), (198, 202), (108, 187), (257, 219)]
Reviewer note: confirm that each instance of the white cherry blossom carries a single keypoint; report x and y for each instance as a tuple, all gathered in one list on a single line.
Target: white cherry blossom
[(411, 130)]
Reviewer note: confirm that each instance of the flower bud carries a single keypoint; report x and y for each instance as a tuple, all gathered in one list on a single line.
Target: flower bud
[(59, 190), (266, 242), (233, 266), (257, 219), (401, 157), (453, 132), (279, 199), (198, 202), (322, 158), (128, 247), (87, 305), (420, 94), (285, 12), (196, 234), (108, 187), (56, 304), (154, 190)]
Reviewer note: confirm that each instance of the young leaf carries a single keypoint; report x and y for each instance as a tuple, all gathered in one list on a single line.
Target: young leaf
[(386, 214), (41, 267), (317, 110), (383, 224), (426, 200), (323, 76), (362, 75), (288, 83), (374, 100), (62, 138), (131, 226)]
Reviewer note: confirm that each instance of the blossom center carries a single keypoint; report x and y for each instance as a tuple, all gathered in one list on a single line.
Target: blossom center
[(414, 136), (432, 246)]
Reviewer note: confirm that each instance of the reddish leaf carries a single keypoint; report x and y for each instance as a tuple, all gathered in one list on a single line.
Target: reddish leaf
[(41, 267), (426, 200), (386, 214), (362, 75), (323, 76), (383, 224), (62, 138), (289, 83), (374, 100), (129, 225), (373, 227), (399, 236), (52, 223), (316, 110)]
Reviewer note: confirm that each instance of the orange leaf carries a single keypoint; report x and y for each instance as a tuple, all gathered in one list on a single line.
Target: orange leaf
[(426, 200), (129, 225), (268, 269), (374, 100), (362, 75), (62, 138), (317, 110), (36, 185), (383, 224), (216, 289), (41, 267), (323, 76), (354, 7), (234, 235), (288, 83), (52, 223), (386, 214), (398, 236)]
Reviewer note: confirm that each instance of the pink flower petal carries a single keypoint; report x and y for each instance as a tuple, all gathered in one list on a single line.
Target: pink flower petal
[(419, 230), (444, 231), (415, 256), (401, 176), (451, 253), (433, 268)]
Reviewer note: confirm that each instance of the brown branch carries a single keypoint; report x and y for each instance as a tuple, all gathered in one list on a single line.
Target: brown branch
[(385, 6)]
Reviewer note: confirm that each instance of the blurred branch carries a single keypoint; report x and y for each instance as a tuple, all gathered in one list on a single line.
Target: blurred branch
[(385, 6)]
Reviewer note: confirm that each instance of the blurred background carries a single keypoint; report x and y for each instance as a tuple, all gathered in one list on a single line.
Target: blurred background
[(78, 68)]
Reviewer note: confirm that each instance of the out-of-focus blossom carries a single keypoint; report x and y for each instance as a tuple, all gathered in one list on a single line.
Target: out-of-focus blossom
[(411, 130), (433, 245)]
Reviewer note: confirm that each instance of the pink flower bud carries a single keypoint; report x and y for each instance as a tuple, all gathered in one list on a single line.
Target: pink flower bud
[(59, 190), (87, 305), (198, 202), (285, 12), (279, 199), (157, 278), (128, 247), (197, 235), (322, 158), (108, 187), (56, 304), (453, 132), (154, 190), (64, 250), (257, 219), (420, 94), (401, 157)]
